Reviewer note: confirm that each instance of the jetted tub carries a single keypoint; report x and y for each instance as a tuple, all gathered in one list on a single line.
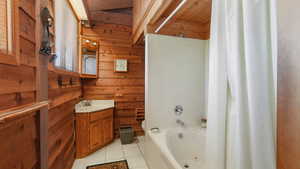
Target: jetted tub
[(177, 148)]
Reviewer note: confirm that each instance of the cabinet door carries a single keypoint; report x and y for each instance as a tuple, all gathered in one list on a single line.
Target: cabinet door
[(108, 131), (96, 134), (82, 135)]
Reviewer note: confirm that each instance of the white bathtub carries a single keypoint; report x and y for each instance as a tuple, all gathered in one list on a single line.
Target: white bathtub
[(176, 149)]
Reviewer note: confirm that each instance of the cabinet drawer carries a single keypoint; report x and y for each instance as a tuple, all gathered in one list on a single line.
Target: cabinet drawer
[(101, 114)]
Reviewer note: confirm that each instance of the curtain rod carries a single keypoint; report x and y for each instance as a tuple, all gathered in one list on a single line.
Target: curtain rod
[(171, 15)]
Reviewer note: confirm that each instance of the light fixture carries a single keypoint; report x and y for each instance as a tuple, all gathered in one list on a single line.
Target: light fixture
[(79, 9), (94, 43), (87, 41)]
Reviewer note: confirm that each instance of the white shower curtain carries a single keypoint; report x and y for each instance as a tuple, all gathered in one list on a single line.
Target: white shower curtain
[(241, 103)]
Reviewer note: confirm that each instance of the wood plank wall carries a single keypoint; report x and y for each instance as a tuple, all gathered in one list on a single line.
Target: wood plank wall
[(64, 93), (127, 89), (19, 142), (19, 136), (18, 83)]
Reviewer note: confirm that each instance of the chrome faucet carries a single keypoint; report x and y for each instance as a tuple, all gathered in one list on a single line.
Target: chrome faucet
[(86, 103), (180, 122)]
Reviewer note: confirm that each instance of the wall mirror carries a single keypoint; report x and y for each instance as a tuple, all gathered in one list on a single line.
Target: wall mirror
[(89, 57)]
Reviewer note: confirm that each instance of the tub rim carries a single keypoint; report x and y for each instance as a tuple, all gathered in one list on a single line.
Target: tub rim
[(160, 140)]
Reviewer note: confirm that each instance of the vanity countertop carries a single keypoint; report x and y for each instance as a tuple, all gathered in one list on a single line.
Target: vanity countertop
[(95, 105)]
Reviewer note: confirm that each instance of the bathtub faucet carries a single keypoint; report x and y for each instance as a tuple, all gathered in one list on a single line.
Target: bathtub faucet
[(180, 122), (178, 110)]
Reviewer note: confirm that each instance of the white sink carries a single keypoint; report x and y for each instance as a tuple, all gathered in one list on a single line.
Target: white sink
[(94, 105)]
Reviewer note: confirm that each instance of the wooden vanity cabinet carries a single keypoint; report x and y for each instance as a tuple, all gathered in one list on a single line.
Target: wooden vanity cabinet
[(93, 131)]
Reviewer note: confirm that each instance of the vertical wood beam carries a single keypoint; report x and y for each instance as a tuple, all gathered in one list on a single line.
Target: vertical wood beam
[(42, 88)]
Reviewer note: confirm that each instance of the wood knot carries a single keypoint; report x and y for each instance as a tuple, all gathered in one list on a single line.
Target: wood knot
[(59, 81), (22, 126), (18, 98), (71, 81)]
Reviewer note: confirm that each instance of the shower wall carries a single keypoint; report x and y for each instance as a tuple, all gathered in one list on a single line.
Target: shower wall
[(175, 75)]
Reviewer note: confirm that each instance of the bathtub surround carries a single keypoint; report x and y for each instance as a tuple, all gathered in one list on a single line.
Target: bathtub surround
[(241, 102), (175, 77)]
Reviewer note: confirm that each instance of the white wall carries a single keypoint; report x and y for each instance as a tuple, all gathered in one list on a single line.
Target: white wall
[(175, 75), (206, 76)]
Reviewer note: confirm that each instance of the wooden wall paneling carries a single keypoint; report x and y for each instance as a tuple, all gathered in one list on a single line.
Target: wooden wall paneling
[(58, 141), (26, 14), (108, 32), (105, 28), (29, 6), (111, 18), (27, 26), (19, 131), (17, 79), (127, 89), (120, 82), (27, 52), (24, 140), (12, 100), (115, 50), (60, 113), (64, 92), (16, 32), (133, 59), (113, 90), (18, 83), (96, 5), (19, 143)]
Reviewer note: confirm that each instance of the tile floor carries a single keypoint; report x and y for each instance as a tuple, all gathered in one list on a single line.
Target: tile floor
[(133, 153)]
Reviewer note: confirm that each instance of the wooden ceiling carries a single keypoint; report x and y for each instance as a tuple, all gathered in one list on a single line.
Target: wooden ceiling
[(192, 20), (109, 11)]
